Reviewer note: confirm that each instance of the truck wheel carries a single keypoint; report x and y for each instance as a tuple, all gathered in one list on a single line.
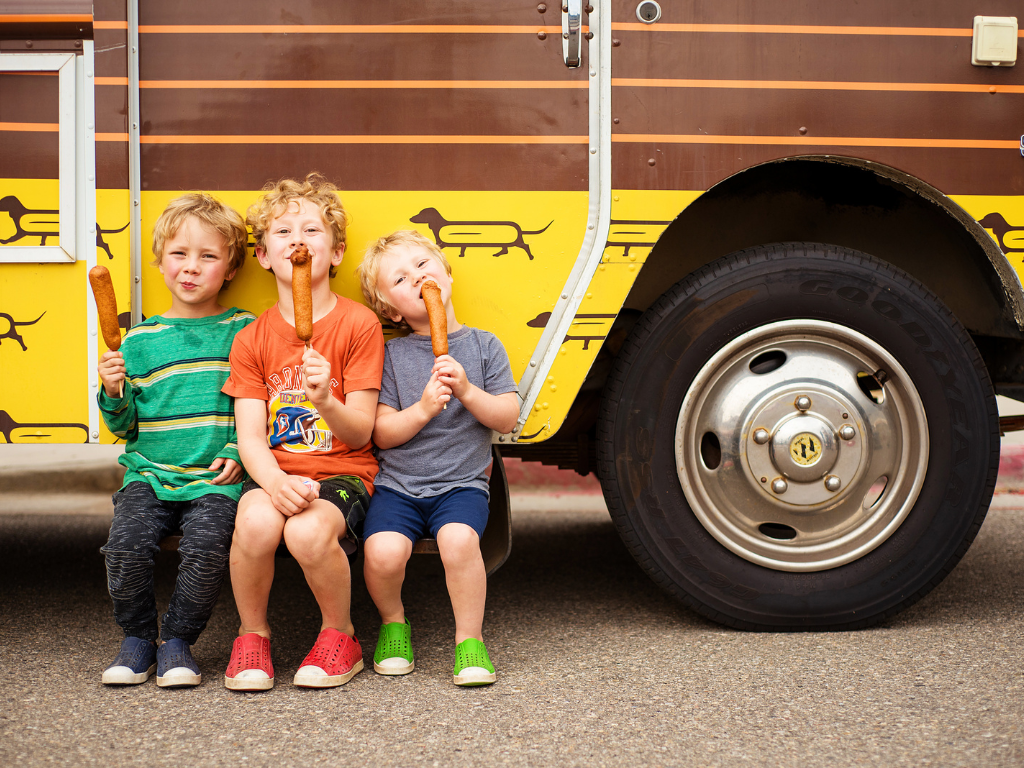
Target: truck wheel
[(798, 436)]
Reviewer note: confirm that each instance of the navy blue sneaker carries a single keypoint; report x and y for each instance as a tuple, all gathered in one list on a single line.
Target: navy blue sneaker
[(135, 662), (175, 666)]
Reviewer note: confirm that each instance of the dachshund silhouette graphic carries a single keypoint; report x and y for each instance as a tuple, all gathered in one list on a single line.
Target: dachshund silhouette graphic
[(476, 229), (12, 329), (634, 233), (30, 222), (585, 328), (14, 432), (1000, 228)]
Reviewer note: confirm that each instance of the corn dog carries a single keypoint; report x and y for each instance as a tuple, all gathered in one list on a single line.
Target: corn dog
[(438, 318), (106, 306), (302, 296)]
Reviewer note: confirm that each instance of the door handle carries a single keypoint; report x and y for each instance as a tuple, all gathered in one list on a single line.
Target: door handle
[(572, 12)]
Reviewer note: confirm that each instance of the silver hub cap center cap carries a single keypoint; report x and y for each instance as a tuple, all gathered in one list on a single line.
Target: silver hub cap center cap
[(804, 448)]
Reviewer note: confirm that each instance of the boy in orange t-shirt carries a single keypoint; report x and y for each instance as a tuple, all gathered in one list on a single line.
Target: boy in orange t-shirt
[(304, 419)]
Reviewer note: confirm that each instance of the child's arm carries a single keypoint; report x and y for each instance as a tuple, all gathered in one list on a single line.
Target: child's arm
[(287, 492), (351, 421), (118, 412), (497, 412), (394, 427)]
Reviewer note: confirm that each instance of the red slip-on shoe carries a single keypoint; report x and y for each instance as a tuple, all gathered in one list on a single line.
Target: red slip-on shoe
[(335, 659), (250, 668)]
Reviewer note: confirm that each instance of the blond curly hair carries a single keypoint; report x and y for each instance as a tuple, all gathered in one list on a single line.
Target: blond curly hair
[(369, 269), (277, 196)]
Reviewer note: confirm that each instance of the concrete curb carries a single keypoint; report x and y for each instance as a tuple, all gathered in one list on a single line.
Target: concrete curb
[(105, 476), (79, 479)]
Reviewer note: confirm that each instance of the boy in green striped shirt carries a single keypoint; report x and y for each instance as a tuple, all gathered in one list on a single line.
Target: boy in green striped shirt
[(181, 455)]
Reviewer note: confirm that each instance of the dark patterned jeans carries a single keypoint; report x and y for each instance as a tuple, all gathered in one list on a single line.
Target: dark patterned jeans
[(141, 520)]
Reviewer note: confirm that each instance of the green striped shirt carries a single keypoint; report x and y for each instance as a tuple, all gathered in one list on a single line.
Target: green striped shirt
[(173, 417)]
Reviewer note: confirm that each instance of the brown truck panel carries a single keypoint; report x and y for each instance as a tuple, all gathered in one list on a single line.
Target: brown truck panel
[(374, 167), (909, 13)]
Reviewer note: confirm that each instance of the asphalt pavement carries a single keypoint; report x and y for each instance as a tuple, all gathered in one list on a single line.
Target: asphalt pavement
[(596, 665)]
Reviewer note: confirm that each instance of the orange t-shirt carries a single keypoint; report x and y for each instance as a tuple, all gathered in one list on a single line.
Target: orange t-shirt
[(266, 364)]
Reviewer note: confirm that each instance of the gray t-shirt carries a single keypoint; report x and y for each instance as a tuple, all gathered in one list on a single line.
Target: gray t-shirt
[(453, 450)]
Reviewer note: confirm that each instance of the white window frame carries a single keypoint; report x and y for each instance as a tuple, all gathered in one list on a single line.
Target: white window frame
[(64, 65)]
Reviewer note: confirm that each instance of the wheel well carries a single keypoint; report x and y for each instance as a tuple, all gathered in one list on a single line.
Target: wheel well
[(852, 203)]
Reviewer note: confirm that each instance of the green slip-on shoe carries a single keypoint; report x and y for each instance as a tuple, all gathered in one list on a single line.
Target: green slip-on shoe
[(394, 649), (472, 664)]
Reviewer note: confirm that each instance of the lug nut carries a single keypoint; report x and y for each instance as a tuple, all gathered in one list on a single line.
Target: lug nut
[(847, 432), (833, 483), (803, 403), (761, 436), (779, 485)]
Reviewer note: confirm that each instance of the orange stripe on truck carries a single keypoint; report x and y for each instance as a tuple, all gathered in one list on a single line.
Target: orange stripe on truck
[(358, 84), (816, 85), (353, 139), (348, 29), (45, 127), (794, 29), (833, 141)]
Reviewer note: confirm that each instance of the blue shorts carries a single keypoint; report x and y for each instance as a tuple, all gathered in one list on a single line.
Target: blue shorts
[(414, 518)]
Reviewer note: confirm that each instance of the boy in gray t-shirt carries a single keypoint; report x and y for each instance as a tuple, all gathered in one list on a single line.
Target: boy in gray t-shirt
[(433, 431)]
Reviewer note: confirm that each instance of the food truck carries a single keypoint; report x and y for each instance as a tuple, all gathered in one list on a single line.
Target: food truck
[(756, 265)]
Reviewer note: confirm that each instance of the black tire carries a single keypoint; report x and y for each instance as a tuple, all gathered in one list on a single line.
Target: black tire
[(747, 290)]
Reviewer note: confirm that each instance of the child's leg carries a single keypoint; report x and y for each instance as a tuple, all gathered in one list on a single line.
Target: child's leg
[(207, 526), (385, 555), (466, 576), (258, 530), (313, 537), (140, 521)]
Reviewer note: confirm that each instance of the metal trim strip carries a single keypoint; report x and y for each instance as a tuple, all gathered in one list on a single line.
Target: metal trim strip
[(598, 216), (134, 163)]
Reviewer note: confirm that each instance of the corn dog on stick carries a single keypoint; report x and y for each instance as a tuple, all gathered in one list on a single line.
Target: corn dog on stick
[(438, 319), (302, 295), (106, 311)]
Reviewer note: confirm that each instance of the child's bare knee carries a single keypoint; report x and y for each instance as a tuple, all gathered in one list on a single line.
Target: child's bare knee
[(309, 537), (457, 543), (258, 526), (387, 552)]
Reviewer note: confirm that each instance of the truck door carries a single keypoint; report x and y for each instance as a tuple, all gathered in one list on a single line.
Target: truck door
[(461, 120), (48, 225)]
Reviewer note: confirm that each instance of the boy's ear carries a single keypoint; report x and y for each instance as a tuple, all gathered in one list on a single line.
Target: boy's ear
[(395, 318), (339, 254), (261, 257), (230, 275)]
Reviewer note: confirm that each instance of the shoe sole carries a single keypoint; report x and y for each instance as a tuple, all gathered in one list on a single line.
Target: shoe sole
[(469, 680), (124, 676), (327, 681), (179, 679), (248, 683), (382, 670)]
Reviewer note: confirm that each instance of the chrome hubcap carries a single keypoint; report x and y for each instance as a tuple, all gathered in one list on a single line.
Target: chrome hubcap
[(801, 445)]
